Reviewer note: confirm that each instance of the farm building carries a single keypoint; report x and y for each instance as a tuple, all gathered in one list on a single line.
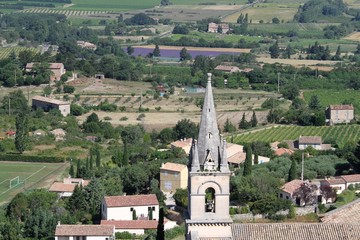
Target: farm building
[(125, 207), (86, 45), (136, 226), (229, 69), (49, 103), (291, 189), (57, 69), (173, 176), (339, 114), (312, 141), (222, 28)]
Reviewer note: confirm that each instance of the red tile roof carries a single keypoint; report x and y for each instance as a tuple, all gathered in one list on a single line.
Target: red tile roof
[(332, 181), (131, 224), (292, 186), (341, 107), (351, 178), (176, 167), (349, 213), (282, 151), (84, 230), (51, 65), (131, 200), (62, 187)]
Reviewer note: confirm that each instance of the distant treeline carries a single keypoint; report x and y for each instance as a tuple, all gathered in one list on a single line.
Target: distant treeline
[(46, 1), (189, 41), (314, 10), (21, 5)]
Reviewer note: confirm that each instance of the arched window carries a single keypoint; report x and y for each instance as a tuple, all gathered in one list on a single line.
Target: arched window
[(210, 200)]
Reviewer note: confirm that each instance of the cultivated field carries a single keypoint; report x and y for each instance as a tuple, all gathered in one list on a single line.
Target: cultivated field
[(5, 52), (335, 97), (230, 103), (32, 175), (353, 37), (267, 11), (342, 134), (295, 62)]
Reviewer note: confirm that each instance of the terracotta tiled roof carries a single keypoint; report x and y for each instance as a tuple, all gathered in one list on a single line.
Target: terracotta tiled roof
[(51, 65), (49, 100), (291, 187), (131, 200), (182, 143), (349, 213), (282, 151), (332, 181), (309, 139), (295, 231), (176, 167), (227, 68), (62, 187), (351, 178), (341, 107), (237, 158), (84, 230), (131, 224)]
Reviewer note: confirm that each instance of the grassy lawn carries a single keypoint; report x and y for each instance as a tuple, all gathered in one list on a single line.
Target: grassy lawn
[(215, 36), (30, 174), (342, 134)]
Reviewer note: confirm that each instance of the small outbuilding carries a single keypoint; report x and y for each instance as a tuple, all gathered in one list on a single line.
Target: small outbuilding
[(49, 103)]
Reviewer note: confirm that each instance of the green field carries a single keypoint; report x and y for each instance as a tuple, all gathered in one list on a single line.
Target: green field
[(31, 176), (5, 52), (328, 97), (124, 5), (342, 134)]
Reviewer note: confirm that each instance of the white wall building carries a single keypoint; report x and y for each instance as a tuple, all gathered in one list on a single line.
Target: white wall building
[(122, 207)]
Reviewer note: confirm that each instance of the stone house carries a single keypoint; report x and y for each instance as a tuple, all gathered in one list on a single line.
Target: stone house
[(49, 103), (214, 28), (341, 183), (336, 114), (57, 69), (173, 176), (312, 141), (66, 188)]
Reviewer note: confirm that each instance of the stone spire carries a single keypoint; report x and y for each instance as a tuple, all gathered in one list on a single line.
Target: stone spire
[(209, 138)]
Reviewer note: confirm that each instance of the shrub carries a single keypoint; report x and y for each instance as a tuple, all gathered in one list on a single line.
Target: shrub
[(140, 117), (68, 89), (107, 118), (30, 158), (124, 118)]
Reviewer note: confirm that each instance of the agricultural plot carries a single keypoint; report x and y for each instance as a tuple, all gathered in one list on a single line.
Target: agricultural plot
[(342, 134), (5, 52), (30, 175), (336, 97), (66, 12)]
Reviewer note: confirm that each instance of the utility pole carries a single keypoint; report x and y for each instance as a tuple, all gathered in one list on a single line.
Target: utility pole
[(278, 86), (9, 105)]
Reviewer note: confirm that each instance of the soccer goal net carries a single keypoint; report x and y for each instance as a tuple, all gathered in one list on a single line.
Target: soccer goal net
[(14, 182)]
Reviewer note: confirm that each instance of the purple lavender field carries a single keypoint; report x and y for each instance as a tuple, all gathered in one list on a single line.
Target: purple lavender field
[(172, 53)]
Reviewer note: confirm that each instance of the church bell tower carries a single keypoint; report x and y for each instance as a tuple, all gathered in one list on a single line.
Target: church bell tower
[(209, 179)]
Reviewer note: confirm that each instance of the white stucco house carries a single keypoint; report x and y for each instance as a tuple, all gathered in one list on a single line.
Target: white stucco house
[(85, 232), (340, 183), (123, 207)]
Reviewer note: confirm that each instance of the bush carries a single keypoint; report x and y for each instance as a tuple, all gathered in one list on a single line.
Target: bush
[(140, 117), (30, 158), (107, 118), (124, 118), (68, 89)]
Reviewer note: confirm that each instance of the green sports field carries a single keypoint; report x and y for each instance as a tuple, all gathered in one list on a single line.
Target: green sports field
[(31, 175)]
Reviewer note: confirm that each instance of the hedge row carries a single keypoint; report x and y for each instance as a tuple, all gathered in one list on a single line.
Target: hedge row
[(27, 158)]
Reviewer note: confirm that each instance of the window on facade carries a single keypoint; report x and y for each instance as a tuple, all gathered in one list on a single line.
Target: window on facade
[(153, 208), (281, 195), (210, 200), (287, 197)]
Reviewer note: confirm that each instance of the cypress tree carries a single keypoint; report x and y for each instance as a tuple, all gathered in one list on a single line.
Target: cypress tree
[(292, 171), (253, 121), (243, 123), (125, 159), (98, 158), (134, 216), (71, 170), (87, 164), (256, 158), (248, 161), (91, 162), (78, 168), (22, 132), (160, 233)]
